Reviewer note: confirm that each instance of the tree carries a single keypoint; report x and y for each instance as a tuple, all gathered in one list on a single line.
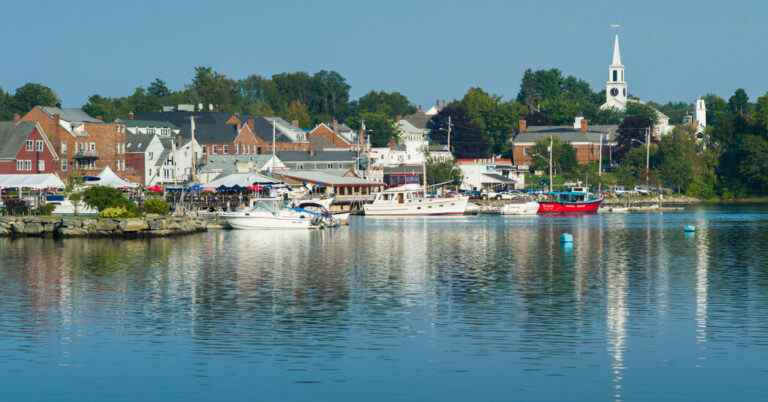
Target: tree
[(393, 104), (158, 89), (739, 102), (676, 157), (101, 198), (6, 105), (30, 95), (442, 172), (330, 94), (297, 111), (101, 107), (379, 127), (754, 162), (676, 111), (563, 156), (467, 139), (212, 88)]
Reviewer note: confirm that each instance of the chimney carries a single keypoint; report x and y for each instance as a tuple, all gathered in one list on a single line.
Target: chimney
[(295, 123), (16, 117), (131, 116), (522, 126), (584, 125), (251, 122), (56, 120)]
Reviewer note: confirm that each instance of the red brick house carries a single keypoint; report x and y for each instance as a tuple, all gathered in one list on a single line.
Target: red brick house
[(585, 139), (25, 149), (85, 145), (324, 137)]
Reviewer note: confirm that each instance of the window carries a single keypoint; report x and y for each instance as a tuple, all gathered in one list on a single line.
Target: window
[(24, 165), (41, 165), (615, 75), (64, 148), (151, 155), (224, 149), (64, 165), (237, 148), (30, 145), (39, 145), (92, 146)]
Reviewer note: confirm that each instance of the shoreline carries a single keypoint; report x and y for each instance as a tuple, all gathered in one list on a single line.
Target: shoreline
[(95, 227)]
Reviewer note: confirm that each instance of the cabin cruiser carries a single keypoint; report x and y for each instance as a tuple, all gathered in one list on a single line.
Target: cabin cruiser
[(412, 200), (559, 202), (272, 214), (521, 208)]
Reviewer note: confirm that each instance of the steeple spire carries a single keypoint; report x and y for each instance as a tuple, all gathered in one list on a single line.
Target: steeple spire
[(616, 52)]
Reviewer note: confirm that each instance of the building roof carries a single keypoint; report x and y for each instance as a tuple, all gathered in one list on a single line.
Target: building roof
[(418, 120), (262, 127), (321, 177), (227, 164), (12, 137), (319, 156), (70, 114), (403, 169), (210, 127), (137, 142), (567, 134), (148, 123)]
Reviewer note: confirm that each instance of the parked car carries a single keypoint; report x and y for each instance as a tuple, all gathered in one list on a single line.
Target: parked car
[(473, 194), (618, 191), (643, 190)]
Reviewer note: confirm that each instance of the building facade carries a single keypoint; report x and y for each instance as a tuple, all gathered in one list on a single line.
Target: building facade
[(26, 149)]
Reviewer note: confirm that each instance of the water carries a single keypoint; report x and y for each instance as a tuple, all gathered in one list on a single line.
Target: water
[(445, 309)]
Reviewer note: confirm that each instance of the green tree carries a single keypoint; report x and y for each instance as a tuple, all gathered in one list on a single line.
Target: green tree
[(6, 105), (212, 88), (677, 154), (330, 94), (379, 127), (442, 172), (393, 104), (101, 107), (739, 102), (297, 111), (754, 162), (467, 139), (563, 156), (30, 95), (158, 89), (101, 198)]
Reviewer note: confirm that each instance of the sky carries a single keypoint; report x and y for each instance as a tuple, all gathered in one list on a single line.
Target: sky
[(427, 50)]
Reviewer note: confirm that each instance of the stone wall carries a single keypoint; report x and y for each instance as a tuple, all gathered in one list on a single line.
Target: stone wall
[(36, 226)]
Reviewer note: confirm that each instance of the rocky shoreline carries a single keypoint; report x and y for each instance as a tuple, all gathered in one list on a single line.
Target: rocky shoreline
[(70, 227)]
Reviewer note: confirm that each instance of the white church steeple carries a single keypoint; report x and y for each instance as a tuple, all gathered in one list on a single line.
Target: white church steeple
[(616, 86)]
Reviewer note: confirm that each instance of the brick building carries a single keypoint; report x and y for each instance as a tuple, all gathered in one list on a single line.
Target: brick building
[(85, 145), (324, 137), (25, 149), (585, 139)]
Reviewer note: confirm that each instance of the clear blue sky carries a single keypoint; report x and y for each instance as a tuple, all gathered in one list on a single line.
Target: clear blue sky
[(673, 50)]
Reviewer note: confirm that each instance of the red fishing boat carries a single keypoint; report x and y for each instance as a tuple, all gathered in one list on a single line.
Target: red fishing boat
[(570, 202)]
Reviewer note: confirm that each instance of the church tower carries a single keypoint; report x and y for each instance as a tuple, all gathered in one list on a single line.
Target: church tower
[(616, 86)]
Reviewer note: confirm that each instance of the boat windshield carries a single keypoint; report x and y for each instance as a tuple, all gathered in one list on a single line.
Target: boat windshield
[(272, 206), (570, 196)]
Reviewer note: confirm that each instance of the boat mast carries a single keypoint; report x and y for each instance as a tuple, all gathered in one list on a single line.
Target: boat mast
[(274, 130), (551, 143)]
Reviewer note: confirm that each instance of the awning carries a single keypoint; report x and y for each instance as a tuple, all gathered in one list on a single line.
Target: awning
[(33, 181), (108, 178)]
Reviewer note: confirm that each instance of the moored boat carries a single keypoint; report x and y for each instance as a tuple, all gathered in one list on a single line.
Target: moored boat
[(520, 208), (569, 202), (270, 214), (410, 200)]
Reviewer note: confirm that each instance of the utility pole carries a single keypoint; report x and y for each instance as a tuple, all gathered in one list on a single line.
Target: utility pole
[(450, 125), (274, 134), (647, 155), (192, 145), (551, 144), (600, 165)]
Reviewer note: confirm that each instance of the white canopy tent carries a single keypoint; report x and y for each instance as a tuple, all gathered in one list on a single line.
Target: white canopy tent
[(31, 181), (240, 180), (108, 178)]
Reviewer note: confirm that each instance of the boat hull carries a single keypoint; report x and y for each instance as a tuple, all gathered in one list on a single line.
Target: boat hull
[(527, 208), (246, 221), (425, 207), (556, 207)]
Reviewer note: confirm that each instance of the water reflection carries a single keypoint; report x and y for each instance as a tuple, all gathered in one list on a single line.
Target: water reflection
[(461, 304)]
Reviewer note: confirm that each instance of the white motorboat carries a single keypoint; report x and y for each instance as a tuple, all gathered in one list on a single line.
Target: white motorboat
[(270, 214), (64, 206), (520, 208), (411, 200)]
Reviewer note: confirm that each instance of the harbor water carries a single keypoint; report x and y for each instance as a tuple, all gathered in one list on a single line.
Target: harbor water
[(484, 308)]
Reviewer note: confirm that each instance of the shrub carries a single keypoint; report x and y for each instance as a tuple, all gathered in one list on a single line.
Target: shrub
[(156, 206), (45, 209), (116, 212), (101, 198)]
